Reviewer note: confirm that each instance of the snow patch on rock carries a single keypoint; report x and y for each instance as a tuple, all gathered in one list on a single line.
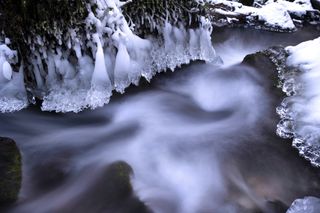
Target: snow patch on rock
[(273, 14), (305, 205), (300, 111)]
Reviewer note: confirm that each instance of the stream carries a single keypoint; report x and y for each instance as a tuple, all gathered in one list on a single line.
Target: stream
[(199, 140)]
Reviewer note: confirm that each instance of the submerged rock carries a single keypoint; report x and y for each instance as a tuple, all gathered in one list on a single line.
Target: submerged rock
[(94, 188), (109, 191), (10, 171)]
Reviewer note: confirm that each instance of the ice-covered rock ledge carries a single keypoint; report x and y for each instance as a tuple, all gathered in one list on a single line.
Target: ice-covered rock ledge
[(78, 59), (81, 66), (300, 111)]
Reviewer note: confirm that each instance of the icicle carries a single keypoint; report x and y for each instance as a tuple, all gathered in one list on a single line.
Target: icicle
[(100, 77), (7, 70), (180, 36), (122, 68), (37, 75), (51, 78), (194, 44), (207, 50), (167, 35)]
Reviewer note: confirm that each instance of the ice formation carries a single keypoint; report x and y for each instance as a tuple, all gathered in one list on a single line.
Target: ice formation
[(109, 57), (12, 90), (82, 66), (305, 205), (300, 111)]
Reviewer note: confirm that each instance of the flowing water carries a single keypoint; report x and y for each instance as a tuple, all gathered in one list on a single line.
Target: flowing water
[(199, 140)]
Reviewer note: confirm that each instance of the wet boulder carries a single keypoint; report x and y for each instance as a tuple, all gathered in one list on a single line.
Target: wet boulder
[(107, 189), (10, 171), (315, 4), (270, 62)]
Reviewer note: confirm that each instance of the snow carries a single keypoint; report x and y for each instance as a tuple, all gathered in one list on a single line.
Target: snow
[(301, 110), (305, 205), (274, 13), (297, 7)]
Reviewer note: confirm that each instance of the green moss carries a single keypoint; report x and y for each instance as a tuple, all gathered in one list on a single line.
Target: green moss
[(176, 12), (21, 19), (10, 171), (119, 174)]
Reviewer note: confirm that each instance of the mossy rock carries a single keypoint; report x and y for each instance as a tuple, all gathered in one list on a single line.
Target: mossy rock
[(10, 171), (109, 189), (118, 191)]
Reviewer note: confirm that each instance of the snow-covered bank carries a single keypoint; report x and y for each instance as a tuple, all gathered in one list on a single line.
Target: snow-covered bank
[(300, 111), (275, 15)]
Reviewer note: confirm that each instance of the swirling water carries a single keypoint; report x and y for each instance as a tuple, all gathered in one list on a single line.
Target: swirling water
[(202, 139)]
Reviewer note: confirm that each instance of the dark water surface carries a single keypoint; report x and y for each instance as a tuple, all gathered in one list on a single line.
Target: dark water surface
[(199, 140)]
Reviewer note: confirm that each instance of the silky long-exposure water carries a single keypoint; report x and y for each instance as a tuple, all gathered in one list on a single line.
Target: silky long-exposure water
[(202, 139)]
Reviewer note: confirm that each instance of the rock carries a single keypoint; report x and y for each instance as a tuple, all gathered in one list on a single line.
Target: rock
[(10, 171), (277, 206), (115, 188), (315, 4), (269, 62), (107, 189), (247, 2)]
